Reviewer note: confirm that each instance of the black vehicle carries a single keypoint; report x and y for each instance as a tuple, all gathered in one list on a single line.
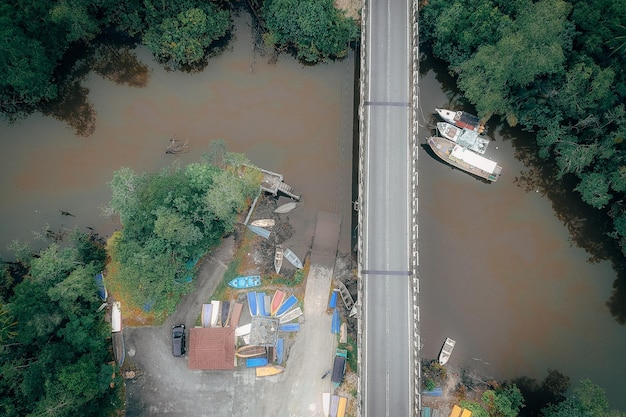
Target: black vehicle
[(178, 340)]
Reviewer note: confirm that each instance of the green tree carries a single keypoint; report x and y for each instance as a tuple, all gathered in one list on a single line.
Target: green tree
[(589, 400), (182, 41), (501, 402), (314, 28)]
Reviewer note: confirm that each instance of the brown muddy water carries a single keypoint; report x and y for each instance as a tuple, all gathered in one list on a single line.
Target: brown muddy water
[(501, 277), (287, 118), (498, 272)]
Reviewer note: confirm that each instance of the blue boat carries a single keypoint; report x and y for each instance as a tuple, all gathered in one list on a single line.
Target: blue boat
[(280, 351), (333, 300), (336, 324), (250, 281), (252, 303), (102, 291), (286, 305), (254, 362), (260, 303), (289, 327), (264, 233)]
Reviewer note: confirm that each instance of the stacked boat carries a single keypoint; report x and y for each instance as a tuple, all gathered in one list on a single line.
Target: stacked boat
[(461, 144)]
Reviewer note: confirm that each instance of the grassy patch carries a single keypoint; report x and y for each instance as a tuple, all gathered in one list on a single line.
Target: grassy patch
[(351, 347)]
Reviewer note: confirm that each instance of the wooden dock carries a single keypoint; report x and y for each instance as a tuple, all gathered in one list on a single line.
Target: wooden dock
[(273, 183)]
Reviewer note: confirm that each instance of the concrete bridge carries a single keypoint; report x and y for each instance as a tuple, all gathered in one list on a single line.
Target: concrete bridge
[(389, 340)]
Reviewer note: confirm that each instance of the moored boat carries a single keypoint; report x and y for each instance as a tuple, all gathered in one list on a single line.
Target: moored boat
[(326, 403), (278, 258), (335, 322), (269, 370), (277, 301), (341, 409), (260, 302), (289, 327), (244, 330), (286, 208), (250, 351), (446, 351), (290, 315), (286, 305), (467, 138), (263, 223), (461, 119), (215, 312), (250, 281), (102, 291), (205, 315), (254, 362), (252, 303), (292, 258), (334, 405), (280, 351), (464, 159)]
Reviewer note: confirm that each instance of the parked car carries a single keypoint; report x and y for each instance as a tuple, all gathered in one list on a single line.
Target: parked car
[(178, 340)]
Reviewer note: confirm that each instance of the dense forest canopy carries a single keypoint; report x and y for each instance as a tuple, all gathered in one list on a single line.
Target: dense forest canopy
[(55, 356), (172, 218), (556, 68)]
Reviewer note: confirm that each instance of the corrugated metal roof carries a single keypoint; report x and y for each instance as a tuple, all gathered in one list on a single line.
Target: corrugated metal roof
[(212, 348)]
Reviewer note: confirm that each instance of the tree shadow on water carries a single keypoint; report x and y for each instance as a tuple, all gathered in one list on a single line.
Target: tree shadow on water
[(120, 65), (589, 228), (72, 107)]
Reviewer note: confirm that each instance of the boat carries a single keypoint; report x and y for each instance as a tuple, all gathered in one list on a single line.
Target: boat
[(461, 119), (215, 312), (464, 159), (102, 291), (254, 362), (334, 405), (289, 327), (469, 139), (269, 370), (446, 351), (286, 208), (264, 233), (250, 351), (263, 223), (260, 302), (335, 323), (341, 409), (277, 300), (252, 303), (290, 315), (280, 351), (339, 367), (326, 403), (292, 258), (116, 317), (243, 330), (278, 258), (286, 305), (205, 316), (250, 281), (333, 300), (225, 313)]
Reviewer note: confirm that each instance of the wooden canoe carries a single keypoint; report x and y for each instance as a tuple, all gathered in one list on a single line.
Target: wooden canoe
[(293, 258), (277, 301), (278, 258), (263, 223), (286, 208), (249, 351), (269, 370)]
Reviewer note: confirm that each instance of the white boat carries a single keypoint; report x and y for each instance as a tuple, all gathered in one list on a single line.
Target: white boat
[(292, 258), (116, 317), (243, 330), (278, 258), (326, 403), (462, 158), (446, 351), (464, 137), (263, 223), (461, 119), (286, 208), (215, 312)]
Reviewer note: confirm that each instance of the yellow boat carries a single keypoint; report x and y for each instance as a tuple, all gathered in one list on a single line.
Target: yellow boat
[(269, 370)]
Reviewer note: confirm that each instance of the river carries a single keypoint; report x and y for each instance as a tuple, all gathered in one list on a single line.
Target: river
[(498, 272)]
